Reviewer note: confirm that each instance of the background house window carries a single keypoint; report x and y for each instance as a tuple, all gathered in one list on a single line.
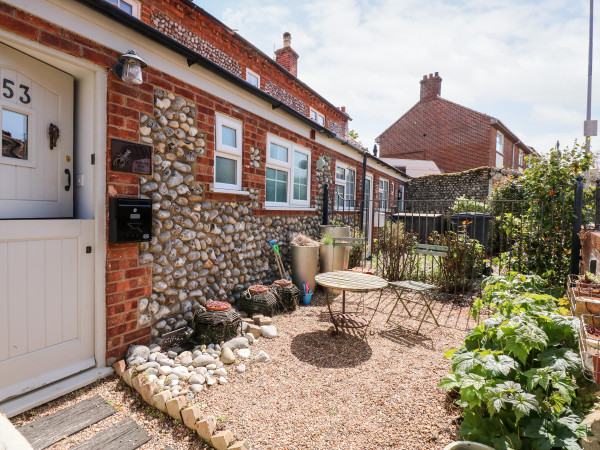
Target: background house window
[(521, 158), (317, 117), (228, 153), (287, 174), (253, 78), (345, 187), (400, 198), (499, 149), (384, 194), (129, 6)]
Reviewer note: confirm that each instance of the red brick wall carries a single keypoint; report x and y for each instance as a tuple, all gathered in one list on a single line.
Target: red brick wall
[(453, 136), (126, 281), (255, 131), (192, 18)]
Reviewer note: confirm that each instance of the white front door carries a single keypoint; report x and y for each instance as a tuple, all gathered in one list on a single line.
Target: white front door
[(46, 270), (36, 117), (46, 302)]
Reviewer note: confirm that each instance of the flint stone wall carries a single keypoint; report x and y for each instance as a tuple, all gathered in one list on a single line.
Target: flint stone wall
[(425, 193), (203, 249)]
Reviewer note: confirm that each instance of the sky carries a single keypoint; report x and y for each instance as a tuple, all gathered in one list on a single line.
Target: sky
[(523, 62)]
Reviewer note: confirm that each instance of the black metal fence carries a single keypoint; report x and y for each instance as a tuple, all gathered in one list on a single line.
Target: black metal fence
[(483, 236)]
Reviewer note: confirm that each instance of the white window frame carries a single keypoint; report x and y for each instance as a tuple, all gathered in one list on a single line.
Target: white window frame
[(385, 190), (338, 182), (288, 167), (135, 6), (499, 154), (254, 74), (317, 116), (227, 151)]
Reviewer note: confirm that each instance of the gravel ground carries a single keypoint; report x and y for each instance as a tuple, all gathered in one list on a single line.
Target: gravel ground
[(319, 391)]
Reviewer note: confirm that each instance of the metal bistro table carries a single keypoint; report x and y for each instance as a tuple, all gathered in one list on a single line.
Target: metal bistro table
[(353, 282)]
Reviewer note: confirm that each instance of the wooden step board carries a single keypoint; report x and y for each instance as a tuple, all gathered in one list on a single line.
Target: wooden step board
[(48, 430), (123, 435)]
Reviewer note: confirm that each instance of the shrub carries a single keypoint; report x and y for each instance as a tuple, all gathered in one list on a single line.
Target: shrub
[(463, 264), (394, 246), (516, 372)]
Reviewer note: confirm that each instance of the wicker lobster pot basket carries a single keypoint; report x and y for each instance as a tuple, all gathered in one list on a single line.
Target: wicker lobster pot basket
[(287, 295), (218, 323), (258, 299)]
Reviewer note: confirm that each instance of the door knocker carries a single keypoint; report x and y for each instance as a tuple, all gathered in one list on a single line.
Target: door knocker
[(54, 133)]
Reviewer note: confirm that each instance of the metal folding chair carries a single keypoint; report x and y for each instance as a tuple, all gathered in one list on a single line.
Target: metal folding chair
[(421, 289)]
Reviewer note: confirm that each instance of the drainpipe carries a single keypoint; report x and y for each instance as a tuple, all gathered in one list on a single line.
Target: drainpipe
[(362, 191)]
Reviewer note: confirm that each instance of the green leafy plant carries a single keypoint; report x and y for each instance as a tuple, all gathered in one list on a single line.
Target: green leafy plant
[(327, 239), (535, 212), (517, 371)]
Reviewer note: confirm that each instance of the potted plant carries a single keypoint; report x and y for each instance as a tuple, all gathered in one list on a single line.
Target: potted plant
[(305, 260), (326, 253)]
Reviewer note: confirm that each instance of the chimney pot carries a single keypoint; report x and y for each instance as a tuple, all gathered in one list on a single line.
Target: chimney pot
[(424, 77), (287, 39), (343, 108)]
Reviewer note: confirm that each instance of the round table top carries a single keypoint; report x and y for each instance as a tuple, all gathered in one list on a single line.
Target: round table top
[(350, 281)]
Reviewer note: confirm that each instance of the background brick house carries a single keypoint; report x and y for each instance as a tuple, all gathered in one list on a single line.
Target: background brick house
[(453, 136), (239, 151)]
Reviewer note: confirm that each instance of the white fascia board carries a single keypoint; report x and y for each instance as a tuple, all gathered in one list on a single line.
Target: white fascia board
[(99, 28)]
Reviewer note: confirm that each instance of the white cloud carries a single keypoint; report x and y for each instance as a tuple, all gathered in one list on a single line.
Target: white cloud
[(524, 62)]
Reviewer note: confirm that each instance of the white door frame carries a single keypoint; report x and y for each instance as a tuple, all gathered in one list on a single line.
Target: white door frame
[(90, 202)]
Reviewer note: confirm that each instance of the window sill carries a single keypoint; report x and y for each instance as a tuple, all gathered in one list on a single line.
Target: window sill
[(289, 208), (228, 191)]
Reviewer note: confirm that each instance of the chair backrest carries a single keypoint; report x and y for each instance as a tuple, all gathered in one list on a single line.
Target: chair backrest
[(425, 268), (430, 250), (348, 242)]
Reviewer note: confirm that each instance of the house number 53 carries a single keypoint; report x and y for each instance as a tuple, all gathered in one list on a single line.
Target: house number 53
[(8, 91)]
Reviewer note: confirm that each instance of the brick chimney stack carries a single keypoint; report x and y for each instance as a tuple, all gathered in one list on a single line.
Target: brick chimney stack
[(431, 87), (286, 56)]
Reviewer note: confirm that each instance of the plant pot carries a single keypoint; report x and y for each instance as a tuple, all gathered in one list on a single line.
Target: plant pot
[(335, 231), (326, 258), (305, 264), (467, 445)]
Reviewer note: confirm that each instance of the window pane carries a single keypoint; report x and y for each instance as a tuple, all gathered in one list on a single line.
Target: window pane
[(499, 160), (300, 176), (279, 152), (340, 173), (125, 7), (313, 115), (351, 176), (350, 188), (252, 79), (228, 136), (499, 143), (14, 134), (276, 186), (321, 119), (339, 194), (225, 170)]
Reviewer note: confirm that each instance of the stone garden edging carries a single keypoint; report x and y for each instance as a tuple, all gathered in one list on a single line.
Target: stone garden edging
[(170, 393)]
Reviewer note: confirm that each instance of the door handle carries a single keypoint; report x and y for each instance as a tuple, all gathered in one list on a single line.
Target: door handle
[(68, 186)]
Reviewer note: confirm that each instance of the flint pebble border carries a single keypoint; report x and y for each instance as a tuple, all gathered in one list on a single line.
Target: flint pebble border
[(170, 380)]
